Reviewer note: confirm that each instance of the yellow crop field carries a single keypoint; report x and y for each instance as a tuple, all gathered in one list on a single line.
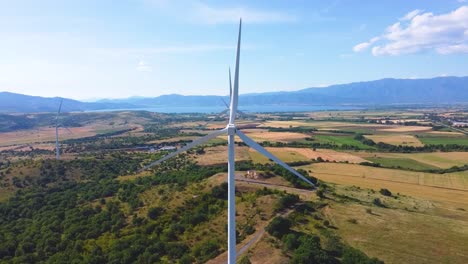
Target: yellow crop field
[(451, 188), (406, 129)]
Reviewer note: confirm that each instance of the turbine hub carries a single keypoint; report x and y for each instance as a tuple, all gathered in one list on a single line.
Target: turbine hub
[(231, 129)]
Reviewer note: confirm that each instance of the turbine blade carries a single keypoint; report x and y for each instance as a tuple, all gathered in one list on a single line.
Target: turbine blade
[(267, 154), (60, 106), (230, 87), (235, 92), (68, 130), (57, 147), (186, 147), (58, 112), (227, 106)]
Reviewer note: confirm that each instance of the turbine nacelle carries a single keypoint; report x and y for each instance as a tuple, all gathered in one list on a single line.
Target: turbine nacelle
[(231, 129)]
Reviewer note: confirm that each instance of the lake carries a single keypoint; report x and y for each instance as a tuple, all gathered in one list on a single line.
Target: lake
[(247, 109)]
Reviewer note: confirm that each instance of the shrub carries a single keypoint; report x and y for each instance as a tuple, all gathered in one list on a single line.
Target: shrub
[(353, 256), (291, 241), (206, 250), (385, 192), (221, 191), (278, 227), (286, 201), (378, 202), (244, 260), (154, 212), (320, 193)]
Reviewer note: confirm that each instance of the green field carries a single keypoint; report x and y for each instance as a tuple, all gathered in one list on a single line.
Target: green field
[(403, 163), (340, 140), (444, 140)]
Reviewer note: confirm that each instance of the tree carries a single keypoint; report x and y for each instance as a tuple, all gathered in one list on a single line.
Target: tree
[(278, 227), (320, 193), (353, 256), (154, 212)]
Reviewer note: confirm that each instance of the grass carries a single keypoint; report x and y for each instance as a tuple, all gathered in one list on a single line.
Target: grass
[(399, 236), (404, 163), (340, 140), (404, 140), (444, 140), (442, 160), (5, 194)]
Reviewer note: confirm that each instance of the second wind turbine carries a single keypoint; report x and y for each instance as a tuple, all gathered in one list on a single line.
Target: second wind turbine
[(231, 131)]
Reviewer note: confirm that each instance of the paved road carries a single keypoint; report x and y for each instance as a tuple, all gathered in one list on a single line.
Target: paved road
[(454, 128)]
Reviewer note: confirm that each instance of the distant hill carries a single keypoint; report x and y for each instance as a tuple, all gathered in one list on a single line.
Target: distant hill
[(12, 102), (441, 90)]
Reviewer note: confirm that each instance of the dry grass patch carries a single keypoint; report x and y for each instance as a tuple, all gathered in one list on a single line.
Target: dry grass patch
[(445, 133), (174, 139), (404, 140), (285, 124), (406, 129), (265, 252), (301, 154), (218, 154), (275, 136), (398, 236), (433, 187), (44, 134)]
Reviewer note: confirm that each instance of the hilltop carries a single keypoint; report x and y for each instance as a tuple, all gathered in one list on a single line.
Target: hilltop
[(441, 90)]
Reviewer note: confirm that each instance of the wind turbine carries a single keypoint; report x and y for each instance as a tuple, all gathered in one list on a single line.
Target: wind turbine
[(57, 148), (230, 98), (231, 131)]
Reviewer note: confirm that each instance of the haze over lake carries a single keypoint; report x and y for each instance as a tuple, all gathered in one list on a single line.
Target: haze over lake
[(247, 109)]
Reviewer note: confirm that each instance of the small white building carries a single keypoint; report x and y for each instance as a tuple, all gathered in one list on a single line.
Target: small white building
[(168, 148)]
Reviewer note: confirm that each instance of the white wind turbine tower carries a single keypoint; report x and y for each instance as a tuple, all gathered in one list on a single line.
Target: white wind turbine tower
[(57, 148), (231, 131)]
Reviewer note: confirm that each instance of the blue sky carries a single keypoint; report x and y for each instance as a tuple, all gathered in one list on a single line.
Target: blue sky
[(115, 49)]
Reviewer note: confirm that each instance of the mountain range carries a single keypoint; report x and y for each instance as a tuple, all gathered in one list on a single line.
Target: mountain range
[(440, 90)]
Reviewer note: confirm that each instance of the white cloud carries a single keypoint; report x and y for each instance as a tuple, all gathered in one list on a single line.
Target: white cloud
[(463, 48), (411, 14), (462, 1), (444, 34), (218, 15), (363, 46), (143, 67)]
